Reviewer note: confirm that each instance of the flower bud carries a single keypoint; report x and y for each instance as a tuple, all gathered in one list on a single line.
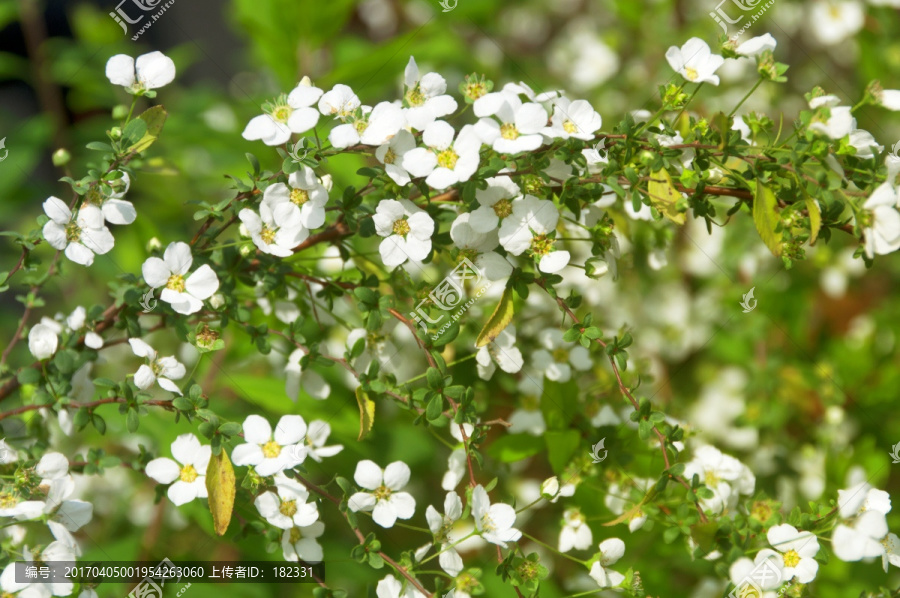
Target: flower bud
[(153, 244), (61, 157), (115, 133), (550, 487), (217, 301), (247, 250), (327, 182), (42, 342)]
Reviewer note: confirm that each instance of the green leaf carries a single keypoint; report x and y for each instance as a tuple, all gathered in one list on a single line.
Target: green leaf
[(132, 420), (559, 403), (815, 219), (498, 321), (155, 118), (766, 217), (134, 131), (366, 412), (664, 196), (561, 445), (435, 408), (220, 487), (514, 447)]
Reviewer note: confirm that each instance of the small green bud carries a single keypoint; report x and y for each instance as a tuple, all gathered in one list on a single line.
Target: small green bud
[(115, 133), (61, 157)]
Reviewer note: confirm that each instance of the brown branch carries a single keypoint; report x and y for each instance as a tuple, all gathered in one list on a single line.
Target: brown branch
[(90, 405)]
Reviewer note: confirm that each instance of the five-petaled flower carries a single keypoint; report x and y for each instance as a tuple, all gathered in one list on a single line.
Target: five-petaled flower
[(157, 369), (188, 470), (384, 498), (185, 293)]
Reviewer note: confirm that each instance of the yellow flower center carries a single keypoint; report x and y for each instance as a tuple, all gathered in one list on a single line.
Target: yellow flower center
[(415, 97), (503, 208), (296, 535), (487, 524), (7, 500), (299, 196), (271, 449), (690, 73), (267, 235), (282, 113), (175, 283), (360, 126), (73, 232), (541, 245), (791, 558), (476, 90), (711, 479), (509, 131), (93, 197), (569, 127), (401, 227), (390, 156), (447, 159), (382, 493), (835, 12), (561, 355), (288, 508), (188, 474)]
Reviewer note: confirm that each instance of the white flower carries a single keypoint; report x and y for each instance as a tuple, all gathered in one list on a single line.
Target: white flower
[(832, 21), (157, 369), (456, 469), (149, 71), (275, 232), (270, 453), (502, 351), (746, 574), (576, 119), (528, 227), (425, 97), (611, 550), (440, 526), (391, 155), (891, 554), (299, 543), (77, 322), (575, 532), (314, 384), (882, 234), (889, 98), (757, 45), (42, 341), (798, 551), (81, 234), (390, 587), (52, 466), (289, 507), (444, 161), (494, 522), (557, 357), (385, 500), (865, 144), (188, 468), (519, 127), (304, 194), (407, 231), (114, 209), (340, 102), (55, 551), (695, 61), (185, 293), (371, 128), (724, 475), (496, 203), (7, 453), (840, 122), (491, 264), (286, 115), (860, 538)]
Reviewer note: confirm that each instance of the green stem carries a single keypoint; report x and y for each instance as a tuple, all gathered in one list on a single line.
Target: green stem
[(548, 547), (744, 99), (449, 365), (448, 547)]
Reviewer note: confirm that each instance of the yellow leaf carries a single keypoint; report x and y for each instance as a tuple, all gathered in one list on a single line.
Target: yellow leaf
[(664, 196), (815, 219), (220, 488), (499, 320), (366, 412), (155, 118), (766, 218)]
